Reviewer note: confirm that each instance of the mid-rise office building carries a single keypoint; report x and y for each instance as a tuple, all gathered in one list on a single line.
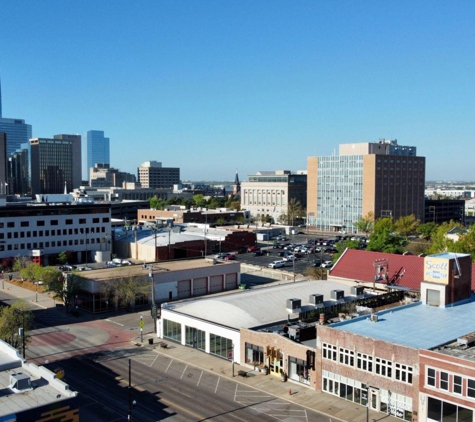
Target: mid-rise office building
[(3, 163), (383, 178), (55, 164), (152, 175), (18, 132), (19, 172), (98, 149), (268, 193), (102, 176)]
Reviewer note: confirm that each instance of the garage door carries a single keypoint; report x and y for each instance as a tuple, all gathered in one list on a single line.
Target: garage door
[(199, 286), (216, 284), (184, 289), (231, 281)]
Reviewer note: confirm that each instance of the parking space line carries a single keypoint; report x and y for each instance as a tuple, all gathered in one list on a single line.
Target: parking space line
[(183, 373), (200, 378), (216, 389), (156, 357), (168, 365)]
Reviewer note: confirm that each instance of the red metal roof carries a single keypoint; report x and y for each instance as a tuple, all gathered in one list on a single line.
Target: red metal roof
[(359, 266)]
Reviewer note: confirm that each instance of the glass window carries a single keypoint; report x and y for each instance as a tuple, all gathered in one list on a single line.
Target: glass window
[(457, 384), (471, 388), (220, 346), (347, 357), (431, 377), (365, 362), (444, 380), (329, 351), (172, 330), (254, 354)]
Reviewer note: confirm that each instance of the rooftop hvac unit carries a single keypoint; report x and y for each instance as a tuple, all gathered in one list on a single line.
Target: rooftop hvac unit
[(374, 318), (20, 381), (337, 294), (315, 299), (293, 305), (357, 290)]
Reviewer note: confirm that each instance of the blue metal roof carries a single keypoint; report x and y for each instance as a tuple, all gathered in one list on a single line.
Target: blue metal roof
[(417, 325)]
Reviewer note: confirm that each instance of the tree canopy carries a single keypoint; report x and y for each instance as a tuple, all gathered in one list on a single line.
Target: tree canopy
[(12, 318)]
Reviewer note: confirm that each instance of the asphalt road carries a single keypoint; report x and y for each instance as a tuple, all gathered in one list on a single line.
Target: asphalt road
[(170, 390)]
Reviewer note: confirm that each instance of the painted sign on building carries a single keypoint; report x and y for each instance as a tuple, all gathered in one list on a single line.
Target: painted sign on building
[(436, 270)]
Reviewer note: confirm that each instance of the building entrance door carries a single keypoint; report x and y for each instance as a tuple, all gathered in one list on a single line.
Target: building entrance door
[(374, 400)]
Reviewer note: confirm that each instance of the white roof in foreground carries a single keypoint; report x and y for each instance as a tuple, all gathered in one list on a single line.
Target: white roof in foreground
[(47, 388), (257, 307)]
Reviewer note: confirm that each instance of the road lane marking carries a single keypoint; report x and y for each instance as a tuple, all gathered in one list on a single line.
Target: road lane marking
[(184, 370), (234, 416), (113, 322), (178, 391)]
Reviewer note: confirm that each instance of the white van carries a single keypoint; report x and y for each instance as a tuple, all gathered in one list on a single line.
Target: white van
[(277, 264)]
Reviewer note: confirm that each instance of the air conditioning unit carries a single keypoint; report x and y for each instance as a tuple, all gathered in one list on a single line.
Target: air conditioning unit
[(294, 305), (373, 318), (357, 290), (20, 381), (315, 299), (337, 294)]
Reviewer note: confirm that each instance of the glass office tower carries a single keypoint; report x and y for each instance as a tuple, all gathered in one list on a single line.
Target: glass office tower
[(98, 149)]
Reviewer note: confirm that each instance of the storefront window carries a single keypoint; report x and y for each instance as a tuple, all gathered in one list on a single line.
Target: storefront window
[(298, 370), (220, 346), (172, 330), (254, 354), (195, 338)]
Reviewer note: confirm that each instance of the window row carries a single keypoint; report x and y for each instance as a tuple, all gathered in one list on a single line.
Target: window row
[(40, 233), (368, 363), (42, 223), (52, 244), (450, 382)]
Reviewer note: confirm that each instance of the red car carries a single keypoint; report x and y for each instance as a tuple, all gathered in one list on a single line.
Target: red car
[(253, 249), (230, 257)]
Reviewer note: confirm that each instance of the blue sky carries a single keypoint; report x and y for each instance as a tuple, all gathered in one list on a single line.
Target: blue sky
[(218, 86)]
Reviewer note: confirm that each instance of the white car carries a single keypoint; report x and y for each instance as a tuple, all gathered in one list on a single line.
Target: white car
[(289, 258), (277, 264), (327, 264)]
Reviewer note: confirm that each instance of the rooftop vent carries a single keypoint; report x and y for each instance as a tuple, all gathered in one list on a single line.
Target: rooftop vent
[(357, 290), (293, 305), (20, 382), (373, 318), (315, 299), (337, 294)]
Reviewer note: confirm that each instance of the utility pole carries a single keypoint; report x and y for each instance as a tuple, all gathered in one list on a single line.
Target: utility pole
[(130, 391)]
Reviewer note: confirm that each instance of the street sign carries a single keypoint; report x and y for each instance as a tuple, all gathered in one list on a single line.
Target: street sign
[(142, 323), (230, 354)]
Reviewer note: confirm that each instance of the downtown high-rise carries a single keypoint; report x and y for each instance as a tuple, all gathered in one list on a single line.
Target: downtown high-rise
[(98, 150)]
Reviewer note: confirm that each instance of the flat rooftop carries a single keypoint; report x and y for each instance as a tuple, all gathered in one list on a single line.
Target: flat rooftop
[(417, 325), (257, 307), (137, 270)]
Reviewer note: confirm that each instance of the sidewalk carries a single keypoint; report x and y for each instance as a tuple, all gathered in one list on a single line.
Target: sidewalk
[(334, 407)]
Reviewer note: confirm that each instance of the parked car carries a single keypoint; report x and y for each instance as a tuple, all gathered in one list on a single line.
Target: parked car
[(317, 263), (230, 257), (277, 264), (327, 264), (289, 258), (258, 253), (253, 248), (222, 255)]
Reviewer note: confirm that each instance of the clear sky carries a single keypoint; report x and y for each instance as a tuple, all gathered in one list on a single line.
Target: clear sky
[(218, 86)]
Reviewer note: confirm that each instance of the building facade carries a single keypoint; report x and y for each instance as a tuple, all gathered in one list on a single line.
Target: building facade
[(102, 176), (55, 164), (81, 229), (98, 149), (269, 193), (151, 174), (382, 178)]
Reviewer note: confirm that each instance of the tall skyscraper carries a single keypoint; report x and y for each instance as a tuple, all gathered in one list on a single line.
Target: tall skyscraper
[(98, 149), (382, 177), (18, 132), (3, 163), (55, 163)]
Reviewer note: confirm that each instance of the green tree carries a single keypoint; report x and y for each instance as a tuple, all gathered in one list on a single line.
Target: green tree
[(383, 238), (427, 229), (199, 201), (439, 240), (20, 263), (365, 224), (32, 271), (406, 225), (342, 246), (12, 318), (466, 243), (125, 288)]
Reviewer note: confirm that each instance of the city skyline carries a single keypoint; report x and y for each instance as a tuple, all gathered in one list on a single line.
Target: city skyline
[(211, 87)]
